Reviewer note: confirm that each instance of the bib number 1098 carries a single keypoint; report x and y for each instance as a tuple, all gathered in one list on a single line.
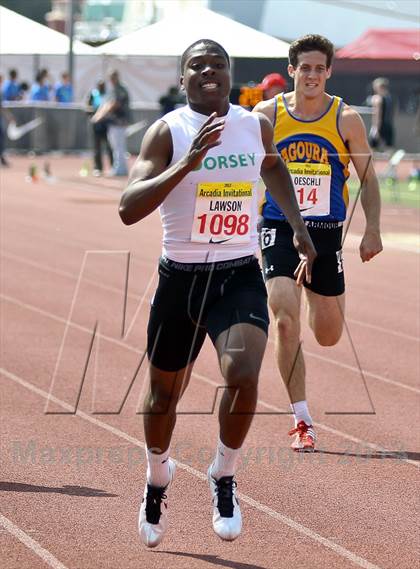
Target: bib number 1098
[(228, 225)]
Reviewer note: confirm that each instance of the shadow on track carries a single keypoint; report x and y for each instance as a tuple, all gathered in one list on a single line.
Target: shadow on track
[(386, 454), (214, 559), (69, 490)]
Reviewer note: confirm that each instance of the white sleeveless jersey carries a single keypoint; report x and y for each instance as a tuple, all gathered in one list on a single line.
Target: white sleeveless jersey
[(211, 215)]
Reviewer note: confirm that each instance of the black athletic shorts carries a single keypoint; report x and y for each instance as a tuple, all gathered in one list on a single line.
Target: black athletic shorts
[(192, 300), (280, 257), (386, 132)]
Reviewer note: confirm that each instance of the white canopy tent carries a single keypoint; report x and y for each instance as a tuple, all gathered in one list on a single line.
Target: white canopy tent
[(170, 37), (22, 36), (27, 46), (148, 58)]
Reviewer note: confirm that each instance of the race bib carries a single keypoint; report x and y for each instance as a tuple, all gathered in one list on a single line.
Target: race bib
[(312, 183), (222, 213)]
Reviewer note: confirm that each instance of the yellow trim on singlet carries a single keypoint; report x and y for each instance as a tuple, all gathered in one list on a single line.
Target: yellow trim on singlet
[(326, 126), (285, 126)]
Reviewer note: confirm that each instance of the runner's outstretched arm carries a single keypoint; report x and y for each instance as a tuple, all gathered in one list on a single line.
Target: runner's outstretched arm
[(276, 176), (354, 131), (151, 180)]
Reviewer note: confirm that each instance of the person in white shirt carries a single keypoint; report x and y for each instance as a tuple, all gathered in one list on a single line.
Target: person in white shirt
[(200, 165)]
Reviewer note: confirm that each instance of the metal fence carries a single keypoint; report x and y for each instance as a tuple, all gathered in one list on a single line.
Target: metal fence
[(67, 128)]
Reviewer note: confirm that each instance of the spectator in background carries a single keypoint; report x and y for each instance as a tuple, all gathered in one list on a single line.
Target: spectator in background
[(272, 85), (100, 129), (382, 129), (4, 114), (40, 90), (251, 94), (116, 110), (169, 101), (44, 71), (24, 91), (416, 127), (64, 89), (11, 90)]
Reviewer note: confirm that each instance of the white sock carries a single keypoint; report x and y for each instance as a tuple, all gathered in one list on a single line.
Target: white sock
[(225, 462), (301, 412), (158, 468)]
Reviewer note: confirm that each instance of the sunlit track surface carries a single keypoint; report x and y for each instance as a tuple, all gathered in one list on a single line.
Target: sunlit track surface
[(72, 479)]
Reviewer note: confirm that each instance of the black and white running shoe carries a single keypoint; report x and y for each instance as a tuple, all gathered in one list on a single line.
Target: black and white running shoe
[(227, 519), (153, 516)]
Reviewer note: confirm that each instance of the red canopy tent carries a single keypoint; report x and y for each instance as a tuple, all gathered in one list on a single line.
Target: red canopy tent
[(384, 44), (381, 51)]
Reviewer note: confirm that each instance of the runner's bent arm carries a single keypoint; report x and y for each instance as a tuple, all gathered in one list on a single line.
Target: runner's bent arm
[(151, 180), (267, 108), (354, 133), (276, 176), (273, 164)]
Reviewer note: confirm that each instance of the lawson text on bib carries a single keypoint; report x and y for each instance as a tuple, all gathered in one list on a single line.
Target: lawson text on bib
[(222, 213)]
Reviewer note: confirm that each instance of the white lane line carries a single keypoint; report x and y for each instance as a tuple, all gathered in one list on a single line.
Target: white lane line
[(326, 428), (338, 549), (61, 320), (366, 373), (346, 553), (199, 376), (31, 543), (408, 242), (356, 369), (67, 274), (73, 277), (384, 330), (270, 340)]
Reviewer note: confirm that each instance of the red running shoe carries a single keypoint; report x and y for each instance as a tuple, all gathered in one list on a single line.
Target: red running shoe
[(305, 437)]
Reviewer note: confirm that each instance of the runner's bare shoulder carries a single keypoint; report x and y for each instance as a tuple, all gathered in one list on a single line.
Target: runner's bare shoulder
[(157, 141), (350, 120), (155, 154), (349, 116), (267, 108)]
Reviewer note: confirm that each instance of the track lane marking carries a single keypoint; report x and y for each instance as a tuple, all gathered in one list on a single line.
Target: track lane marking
[(322, 426), (383, 329), (408, 242), (338, 549), (205, 379), (71, 276), (31, 544), (110, 288), (120, 343)]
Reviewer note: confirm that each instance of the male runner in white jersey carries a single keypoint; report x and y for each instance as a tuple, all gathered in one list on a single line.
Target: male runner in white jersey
[(201, 164), (316, 134)]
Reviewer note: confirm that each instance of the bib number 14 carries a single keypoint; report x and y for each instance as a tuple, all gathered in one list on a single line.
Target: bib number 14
[(312, 184), (311, 196)]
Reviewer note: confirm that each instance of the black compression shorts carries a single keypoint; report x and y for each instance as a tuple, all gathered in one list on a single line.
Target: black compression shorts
[(192, 300), (280, 257)]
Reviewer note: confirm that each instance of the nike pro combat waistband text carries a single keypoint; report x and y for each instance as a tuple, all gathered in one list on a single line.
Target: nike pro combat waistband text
[(202, 267)]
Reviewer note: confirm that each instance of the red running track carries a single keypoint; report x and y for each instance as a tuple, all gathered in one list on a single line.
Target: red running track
[(71, 482)]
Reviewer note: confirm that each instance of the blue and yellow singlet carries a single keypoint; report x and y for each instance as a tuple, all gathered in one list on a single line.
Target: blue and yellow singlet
[(317, 158)]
